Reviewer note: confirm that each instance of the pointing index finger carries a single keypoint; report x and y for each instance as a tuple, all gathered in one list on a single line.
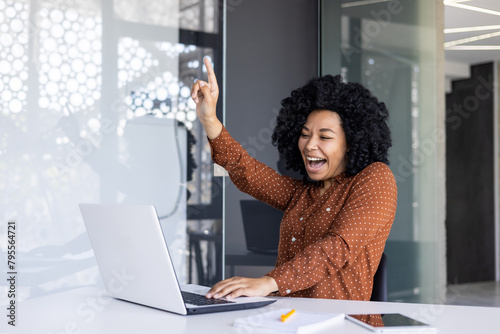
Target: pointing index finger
[(212, 80)]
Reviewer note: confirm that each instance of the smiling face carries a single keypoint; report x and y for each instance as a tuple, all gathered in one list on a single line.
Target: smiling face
[(323, 145)]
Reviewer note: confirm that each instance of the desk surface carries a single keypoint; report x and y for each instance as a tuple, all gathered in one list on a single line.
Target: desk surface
[(89, 310)]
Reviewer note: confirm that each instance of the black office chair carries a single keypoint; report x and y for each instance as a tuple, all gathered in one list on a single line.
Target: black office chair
[(379, 291)]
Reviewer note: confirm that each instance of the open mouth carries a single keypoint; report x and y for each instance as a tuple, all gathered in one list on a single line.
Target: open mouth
[(315, 163)]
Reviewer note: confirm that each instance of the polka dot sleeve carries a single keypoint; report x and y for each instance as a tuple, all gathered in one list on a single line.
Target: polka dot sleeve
[(251, 176)]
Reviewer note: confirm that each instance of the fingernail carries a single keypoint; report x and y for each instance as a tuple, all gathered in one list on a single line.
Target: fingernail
[(216, 295), (202, 84)]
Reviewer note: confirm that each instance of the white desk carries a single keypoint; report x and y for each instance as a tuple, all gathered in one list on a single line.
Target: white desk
[(88, 310)]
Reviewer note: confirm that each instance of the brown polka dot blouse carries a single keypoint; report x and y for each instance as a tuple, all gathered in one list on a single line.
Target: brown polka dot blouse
[(330, 245)]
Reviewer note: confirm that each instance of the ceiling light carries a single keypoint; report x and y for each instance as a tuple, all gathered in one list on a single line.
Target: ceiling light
[(473, 8), (468, 29), (471, 39), (473, 47)]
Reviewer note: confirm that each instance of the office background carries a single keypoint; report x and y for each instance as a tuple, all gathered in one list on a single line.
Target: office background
[(96, 108)]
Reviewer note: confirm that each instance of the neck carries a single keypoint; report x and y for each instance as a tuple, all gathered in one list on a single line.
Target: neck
[(328, 183)]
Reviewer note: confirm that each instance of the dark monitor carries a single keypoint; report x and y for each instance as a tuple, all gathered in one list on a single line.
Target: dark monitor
[(261, 223)]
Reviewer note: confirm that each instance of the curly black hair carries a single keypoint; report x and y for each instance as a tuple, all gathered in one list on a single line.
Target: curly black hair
[(364, 120)]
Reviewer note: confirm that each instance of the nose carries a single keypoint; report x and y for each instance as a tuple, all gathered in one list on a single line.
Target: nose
[(312, 143)]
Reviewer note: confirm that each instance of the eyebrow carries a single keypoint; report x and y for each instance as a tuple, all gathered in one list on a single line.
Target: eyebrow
[(320, 130)]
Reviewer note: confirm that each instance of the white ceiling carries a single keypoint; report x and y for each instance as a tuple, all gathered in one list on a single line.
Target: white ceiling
[(472, 13), (477, 41)]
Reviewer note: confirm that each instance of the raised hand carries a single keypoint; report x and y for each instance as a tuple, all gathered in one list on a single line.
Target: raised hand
[(205, 95)]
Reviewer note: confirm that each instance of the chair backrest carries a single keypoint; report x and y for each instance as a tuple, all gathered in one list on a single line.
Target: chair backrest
[(379, 291)]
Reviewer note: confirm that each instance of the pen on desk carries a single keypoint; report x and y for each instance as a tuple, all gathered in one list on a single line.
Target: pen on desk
[(284, 317)]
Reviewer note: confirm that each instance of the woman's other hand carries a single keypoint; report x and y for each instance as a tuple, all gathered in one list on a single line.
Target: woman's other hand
[(242, 286), (205, 95)]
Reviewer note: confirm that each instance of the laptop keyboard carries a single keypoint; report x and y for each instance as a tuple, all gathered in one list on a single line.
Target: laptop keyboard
[(200, 300)]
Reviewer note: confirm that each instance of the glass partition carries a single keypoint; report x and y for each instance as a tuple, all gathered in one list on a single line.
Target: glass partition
[(96, 108), (393, 48)]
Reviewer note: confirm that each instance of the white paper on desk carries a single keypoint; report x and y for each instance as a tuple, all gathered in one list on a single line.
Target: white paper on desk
[(299, 322)]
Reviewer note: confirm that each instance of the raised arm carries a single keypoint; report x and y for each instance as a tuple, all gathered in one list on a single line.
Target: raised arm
[(246, 172), (205, 95)]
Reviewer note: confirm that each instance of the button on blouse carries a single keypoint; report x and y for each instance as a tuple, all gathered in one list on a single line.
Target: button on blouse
[(331, 244)]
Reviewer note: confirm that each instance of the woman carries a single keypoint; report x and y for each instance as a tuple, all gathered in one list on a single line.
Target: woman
[(337, 219)]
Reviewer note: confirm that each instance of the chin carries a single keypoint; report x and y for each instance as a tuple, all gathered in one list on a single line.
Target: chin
[(315, 177)]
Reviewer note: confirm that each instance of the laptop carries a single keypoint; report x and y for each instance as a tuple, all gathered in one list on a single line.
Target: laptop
[(135, 263), (259, 217)]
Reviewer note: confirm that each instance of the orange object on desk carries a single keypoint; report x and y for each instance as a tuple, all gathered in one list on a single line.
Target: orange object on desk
[(284, 317)]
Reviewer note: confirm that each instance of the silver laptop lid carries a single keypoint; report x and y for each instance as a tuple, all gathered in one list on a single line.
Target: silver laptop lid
[(133, 258)]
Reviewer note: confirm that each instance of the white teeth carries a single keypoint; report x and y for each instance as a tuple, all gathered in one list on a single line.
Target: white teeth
[(314, 159)]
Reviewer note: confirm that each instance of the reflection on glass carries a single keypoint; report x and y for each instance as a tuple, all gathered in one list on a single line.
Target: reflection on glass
[(70, 58), (394, 322), (389, 46), (185, 14), (374, 320), (13, 59), (83, 120)]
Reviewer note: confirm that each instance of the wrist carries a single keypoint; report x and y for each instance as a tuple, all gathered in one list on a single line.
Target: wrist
[(213, 127), (271, 284)]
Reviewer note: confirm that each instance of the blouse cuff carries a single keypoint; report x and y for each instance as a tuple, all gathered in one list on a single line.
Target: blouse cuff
[(285, 287), (220, 144), (221, 139)]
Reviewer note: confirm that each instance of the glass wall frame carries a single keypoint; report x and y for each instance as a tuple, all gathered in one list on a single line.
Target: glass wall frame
[(395, 49)]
